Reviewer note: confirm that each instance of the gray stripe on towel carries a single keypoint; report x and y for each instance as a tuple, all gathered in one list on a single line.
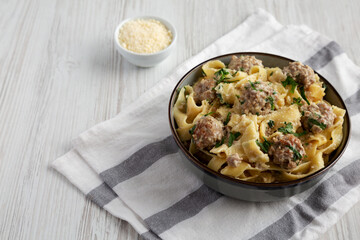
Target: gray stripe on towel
[(326, 194), (324, 55), (184, 209), (149, 236), (139, 161), (353, 103), (102, 195)]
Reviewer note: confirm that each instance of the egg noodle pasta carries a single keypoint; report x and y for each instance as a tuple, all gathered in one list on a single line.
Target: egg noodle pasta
[(256, 123)]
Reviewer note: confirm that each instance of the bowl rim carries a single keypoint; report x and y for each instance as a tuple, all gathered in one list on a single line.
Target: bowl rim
[(172, 29), (235, 181)]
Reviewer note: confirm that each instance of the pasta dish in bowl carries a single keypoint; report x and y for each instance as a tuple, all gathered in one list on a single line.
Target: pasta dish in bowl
[(258, 120)]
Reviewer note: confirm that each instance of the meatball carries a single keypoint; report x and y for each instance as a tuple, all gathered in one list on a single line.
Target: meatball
[(257, 98), (234, 160), (301, 73), (207, 132), (286, 151), (317, 117), (203, 90), (244, 63)]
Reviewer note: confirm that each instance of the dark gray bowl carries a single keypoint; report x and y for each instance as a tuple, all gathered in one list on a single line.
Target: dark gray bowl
[(249, 191)]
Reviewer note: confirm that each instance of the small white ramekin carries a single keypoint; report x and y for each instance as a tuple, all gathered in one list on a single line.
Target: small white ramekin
[(145, 59)]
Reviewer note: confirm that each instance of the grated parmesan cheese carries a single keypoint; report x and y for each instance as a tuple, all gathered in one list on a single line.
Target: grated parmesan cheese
[(144, 36)]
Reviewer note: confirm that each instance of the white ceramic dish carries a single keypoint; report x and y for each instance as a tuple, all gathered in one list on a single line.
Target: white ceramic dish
[(145, 59)]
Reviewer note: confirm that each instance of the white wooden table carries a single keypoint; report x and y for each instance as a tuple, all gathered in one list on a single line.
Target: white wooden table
[(60, 75)]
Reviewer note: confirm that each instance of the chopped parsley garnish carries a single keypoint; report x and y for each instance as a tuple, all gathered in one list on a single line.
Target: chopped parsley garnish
[(234, 74), (232, 137), (220, 97), (271, 73), (270, 99), (218, 144), (288, 129), (222, 72), (191, 131), (290, 81), (317, 123), (257, 114), (242, 102), (208, 114), (230, 81), (264, 146), (297, 155), (227, 105), (252, 85), (324, 86), (302, 93), (203, 73), (300, 134), (316, 114), (227, 118), (297, 101), (238, 96), (221, 75), (242, 69), (271, 123)]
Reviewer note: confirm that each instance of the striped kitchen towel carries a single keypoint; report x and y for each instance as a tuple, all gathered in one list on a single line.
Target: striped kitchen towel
[(130, 165)]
